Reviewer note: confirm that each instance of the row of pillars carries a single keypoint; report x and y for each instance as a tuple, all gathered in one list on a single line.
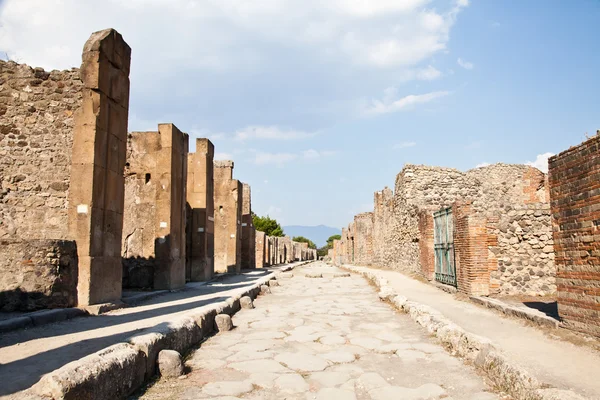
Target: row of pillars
[(143, 211)]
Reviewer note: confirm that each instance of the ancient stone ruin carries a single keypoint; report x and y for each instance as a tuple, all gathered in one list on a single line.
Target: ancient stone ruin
[(490, 231), (88, 209)]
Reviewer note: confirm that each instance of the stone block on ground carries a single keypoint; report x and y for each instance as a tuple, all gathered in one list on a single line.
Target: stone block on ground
[(313, 275), (170, 364), (246, 303), (273, 282), (223, 323), (264, 289)]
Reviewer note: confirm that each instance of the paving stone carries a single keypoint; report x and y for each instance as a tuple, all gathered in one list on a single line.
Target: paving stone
[(253, 345), (332, 339), (330, 379), (366, 342), (427, 348), (291, 383), (370, 381), (248, 355), (227, 388), (339, 357), (337, 394), (302, 362), (264, 379), (259, 365), (424, 392), (410, 355)]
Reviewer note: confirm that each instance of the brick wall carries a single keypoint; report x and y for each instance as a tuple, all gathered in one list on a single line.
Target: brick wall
[(426, 245), (471, 250), (574, 178)]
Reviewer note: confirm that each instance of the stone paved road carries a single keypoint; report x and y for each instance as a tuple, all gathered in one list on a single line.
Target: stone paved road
[(322, 338)]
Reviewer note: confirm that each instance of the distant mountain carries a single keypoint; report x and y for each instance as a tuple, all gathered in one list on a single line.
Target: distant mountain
[(318, 234)]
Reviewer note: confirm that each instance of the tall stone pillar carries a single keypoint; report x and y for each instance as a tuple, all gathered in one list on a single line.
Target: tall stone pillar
[(154, 224), (200, 218), (260, 248), (96, 194), (228, 215), (248, 231)]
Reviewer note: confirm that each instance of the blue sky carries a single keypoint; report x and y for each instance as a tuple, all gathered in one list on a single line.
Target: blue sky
[(320, 105)]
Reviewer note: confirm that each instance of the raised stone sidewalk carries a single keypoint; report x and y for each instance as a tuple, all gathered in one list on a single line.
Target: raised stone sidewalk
[(84, 351), (538, 359)]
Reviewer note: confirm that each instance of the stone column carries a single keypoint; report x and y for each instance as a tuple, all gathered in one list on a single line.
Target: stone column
[(96, 195), (260, 249), (228, 215), (248, 231), (200, 217)]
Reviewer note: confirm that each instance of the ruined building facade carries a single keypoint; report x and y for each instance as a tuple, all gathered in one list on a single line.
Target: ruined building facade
[(87, 209)]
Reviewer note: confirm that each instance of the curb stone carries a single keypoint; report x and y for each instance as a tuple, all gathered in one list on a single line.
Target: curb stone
[(504, 374), (118, 370)]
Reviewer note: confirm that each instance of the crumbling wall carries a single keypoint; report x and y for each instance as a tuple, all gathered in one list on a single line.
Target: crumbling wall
[(62, 150), (155, 203), (383, 202), (364, 239), (36, 141), (524, 251), (574, 177), (260, 246), (228, 215), (200, 225), (37, 274), (248, 232)]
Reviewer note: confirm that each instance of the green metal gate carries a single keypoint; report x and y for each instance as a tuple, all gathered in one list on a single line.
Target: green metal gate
[(445, 270)]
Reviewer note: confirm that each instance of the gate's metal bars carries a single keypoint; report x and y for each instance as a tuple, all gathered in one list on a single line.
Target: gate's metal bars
[(445, 270)]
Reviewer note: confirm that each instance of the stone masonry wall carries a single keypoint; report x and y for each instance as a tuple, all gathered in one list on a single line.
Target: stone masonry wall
[(248, 232), (363, 239), (228, 215), (524, 251), (574, 178), (36, 140), (402, 231), (200, 225), (155, 186), (37, 274)]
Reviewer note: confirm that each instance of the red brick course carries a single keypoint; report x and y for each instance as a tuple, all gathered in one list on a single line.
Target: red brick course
[(574, 180)]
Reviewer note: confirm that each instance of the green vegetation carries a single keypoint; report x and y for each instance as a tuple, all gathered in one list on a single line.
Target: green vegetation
[(302, 239), (322, 252), (267, 225)]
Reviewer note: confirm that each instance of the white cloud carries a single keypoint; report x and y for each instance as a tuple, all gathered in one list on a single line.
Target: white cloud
[(271, 133), (223, 156), (483, 164), (375, 33), (541, 162), (278, 159), (390, 103), (314, 154), (465, 64), (404, 145)]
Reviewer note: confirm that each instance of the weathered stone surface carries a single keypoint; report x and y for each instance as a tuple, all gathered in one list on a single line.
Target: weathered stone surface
[(110, 373), (170, 364), (302, 362), (154, 220), (264, 289), (228, 219), (246, 303), (223, 323), (227, 388), (200, 233)]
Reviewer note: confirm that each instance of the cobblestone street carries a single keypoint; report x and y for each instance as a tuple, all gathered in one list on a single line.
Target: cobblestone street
[(323, 337)]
